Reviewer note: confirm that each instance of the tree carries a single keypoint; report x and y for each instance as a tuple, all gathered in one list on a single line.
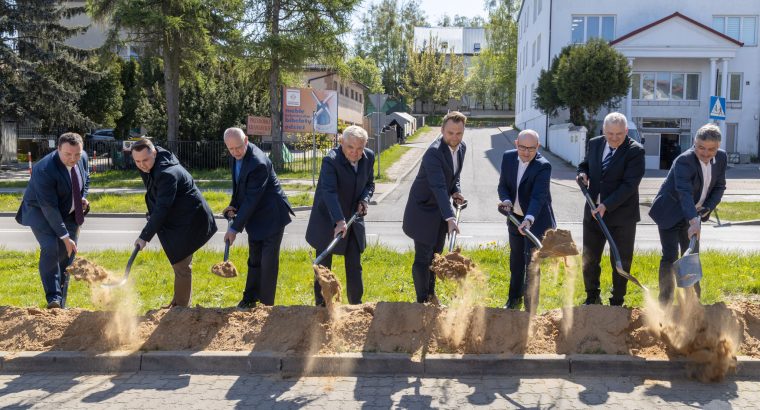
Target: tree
[(41, 78), (461, 21), (501, 53), (288, 33), (182, 32), (547, 100), (365, 71), (102, 99), (385, 31), (586, 77), (433, 76), (478, 83)]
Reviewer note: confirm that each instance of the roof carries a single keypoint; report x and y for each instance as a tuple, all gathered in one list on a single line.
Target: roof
[(404, 116), (666, 18)]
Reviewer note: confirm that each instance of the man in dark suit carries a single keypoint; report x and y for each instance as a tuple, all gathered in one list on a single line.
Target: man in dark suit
[(693, 188), (263, 210), (54, 205), (612, 170), (177, 212), (429, 215), (346, 185), (524, 189)]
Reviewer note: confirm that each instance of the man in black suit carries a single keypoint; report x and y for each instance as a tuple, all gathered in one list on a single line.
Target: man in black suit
[(693, 188), (346, 185), (524, 190), (612, 169), (54, 205), (429, 215), (262, 209), (177, 212)]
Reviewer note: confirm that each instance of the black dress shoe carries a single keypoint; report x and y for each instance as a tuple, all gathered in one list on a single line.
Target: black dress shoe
[(514, 304), (595, 300), (54, 305), (244, 304), (616, 302)]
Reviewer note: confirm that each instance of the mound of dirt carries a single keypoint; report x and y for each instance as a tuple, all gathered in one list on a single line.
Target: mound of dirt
[(452, 266), (82, 269), (557, 243), (331, 289), (224, 269)]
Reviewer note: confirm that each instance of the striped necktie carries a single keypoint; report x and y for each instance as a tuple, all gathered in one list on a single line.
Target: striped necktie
[(607, 160)]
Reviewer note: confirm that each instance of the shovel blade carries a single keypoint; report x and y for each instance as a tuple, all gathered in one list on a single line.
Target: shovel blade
[(688, 270)]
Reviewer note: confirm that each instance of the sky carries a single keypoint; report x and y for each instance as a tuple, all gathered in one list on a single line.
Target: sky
[(434, 10)]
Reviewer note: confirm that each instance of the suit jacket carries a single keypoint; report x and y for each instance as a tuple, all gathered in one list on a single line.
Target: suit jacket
[(535, 198), (682, 189), (619, 185), (48, 197), (178, 212), (262, 207), (339, 191), (429, 200)]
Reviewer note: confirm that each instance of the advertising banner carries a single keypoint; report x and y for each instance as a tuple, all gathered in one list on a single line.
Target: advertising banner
[(306, 110)]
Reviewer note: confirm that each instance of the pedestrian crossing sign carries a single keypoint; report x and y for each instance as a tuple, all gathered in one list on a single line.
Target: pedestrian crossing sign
[(717, 108)]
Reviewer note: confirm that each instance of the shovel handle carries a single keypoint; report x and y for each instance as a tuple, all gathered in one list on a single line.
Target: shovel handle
[(528, 233), (692, 246), (335, 240), (131, 260), (453, 239)]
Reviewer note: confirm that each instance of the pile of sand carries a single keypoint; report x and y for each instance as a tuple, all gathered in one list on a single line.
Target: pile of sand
[(224, 269), (82, 269), (452, 266), (557, 243)]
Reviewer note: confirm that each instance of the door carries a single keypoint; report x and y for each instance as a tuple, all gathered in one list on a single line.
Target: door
[(651, 150)]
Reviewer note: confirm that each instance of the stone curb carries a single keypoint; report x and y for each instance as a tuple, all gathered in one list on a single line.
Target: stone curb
[(356, 364)]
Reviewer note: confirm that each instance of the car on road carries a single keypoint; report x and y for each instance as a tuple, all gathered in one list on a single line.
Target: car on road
[(101, 140)]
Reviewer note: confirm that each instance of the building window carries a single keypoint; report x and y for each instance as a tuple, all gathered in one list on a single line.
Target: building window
[(476, 47), (584, 28), (742, 28), (664, 85), (735, 86), (533, 55), (538, 49)]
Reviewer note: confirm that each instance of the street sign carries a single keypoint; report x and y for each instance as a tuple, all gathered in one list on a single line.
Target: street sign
[(259, 126), (717, 108), (378, 100)]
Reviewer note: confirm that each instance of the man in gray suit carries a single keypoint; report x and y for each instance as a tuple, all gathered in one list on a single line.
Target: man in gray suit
[(429, 215), (54, 205), (346, 185), (693, 188)]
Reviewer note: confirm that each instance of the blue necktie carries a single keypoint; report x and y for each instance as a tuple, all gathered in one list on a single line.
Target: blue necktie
[(607, 160)]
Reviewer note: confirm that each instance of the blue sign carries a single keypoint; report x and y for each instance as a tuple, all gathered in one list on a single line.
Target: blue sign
[(717, 108)]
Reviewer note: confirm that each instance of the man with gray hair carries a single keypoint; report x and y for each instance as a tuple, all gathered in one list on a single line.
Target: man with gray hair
[(346, 185), (612, 170), (262, 209), (693, 188)]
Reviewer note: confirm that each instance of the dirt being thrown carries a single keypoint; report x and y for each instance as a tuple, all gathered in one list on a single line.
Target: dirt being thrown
[(224, 269), (83, 269), (330, 285), (557, 243), (453, 265)]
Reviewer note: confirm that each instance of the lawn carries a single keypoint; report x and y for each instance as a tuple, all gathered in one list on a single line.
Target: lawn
[(387, 277), (130, 203), (738, 211)]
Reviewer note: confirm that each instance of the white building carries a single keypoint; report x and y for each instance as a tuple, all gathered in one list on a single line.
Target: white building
[(679, 53)]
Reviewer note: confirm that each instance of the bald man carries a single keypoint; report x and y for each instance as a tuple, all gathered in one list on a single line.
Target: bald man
[(524, 190), (262, 209)]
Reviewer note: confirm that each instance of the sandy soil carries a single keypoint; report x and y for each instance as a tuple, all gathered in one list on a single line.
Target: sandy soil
[(224, 269), (82, 269)]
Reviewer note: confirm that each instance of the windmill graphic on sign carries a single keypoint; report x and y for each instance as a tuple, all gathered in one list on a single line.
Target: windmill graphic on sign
[(322, 116)]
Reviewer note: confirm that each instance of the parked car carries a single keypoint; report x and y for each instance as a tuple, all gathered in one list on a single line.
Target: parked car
[(102, 141)]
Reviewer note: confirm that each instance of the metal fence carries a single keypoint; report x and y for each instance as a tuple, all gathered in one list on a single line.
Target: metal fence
[(293, 158)]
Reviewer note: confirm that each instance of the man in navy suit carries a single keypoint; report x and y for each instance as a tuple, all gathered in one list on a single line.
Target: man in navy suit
[(54, 205), (262, 209), (693, 188), (429, 215), (524, 190), (612, 170), (178, 213), (346, 185)]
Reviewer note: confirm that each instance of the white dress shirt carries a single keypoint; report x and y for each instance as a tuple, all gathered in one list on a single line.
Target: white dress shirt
[(454, 157), (706, 179), (521, 167)]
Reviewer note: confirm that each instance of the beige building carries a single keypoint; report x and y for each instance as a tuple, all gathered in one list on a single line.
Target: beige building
[(351, 94)]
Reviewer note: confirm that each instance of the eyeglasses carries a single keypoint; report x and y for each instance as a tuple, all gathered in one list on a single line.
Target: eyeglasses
[(526, 149)]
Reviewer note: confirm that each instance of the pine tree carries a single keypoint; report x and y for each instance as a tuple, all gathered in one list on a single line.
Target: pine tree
[(41, 77)]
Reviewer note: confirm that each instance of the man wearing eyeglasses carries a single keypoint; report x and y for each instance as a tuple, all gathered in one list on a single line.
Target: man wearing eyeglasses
[(612, 170), (524, 191)]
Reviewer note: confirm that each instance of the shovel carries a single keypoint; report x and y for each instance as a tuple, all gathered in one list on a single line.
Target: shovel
[(126, 271), (335, 241), (514, 220), (613, 246), (453, 238), (226, 269), (688, 268)]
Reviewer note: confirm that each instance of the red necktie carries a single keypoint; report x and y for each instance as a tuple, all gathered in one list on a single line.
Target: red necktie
[(77, 192)]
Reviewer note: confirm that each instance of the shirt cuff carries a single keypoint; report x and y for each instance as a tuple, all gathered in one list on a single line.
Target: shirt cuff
[(450, 219), (506, 202), (230, 230), (64, 237), (530, 218)]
